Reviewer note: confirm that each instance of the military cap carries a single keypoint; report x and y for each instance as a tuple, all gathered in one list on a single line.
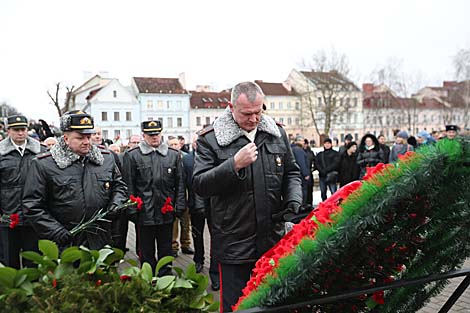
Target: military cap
[(452, 127), (78, 121), (151, 127), (17, 121)]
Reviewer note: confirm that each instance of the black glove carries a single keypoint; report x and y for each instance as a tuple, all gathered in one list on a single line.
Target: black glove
[(134, 217), (112, 212), (63, 237), (284, 215)]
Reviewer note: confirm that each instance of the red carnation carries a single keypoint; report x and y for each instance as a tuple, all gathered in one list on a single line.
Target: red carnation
[(138, 201), (98, 283), (167, 207), (54, 283), (125, 278), (378, 297), (14, 220)]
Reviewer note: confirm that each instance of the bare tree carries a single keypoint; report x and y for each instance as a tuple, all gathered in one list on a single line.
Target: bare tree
[(461, 62), (56, 102), (325, 90), (7, 110)]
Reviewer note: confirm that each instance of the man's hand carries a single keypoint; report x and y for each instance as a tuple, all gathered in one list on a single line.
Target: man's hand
[(245, 156)]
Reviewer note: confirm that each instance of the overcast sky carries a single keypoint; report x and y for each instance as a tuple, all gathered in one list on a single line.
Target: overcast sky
[(215, 42)]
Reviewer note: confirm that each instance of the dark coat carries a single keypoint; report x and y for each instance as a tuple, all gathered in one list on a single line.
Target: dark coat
[(195, 202), (61, 190), (327, 161), (348, 169), (245, 204), (14, 169), (301, 159), (154, 176), (386, 150), (369, 158)]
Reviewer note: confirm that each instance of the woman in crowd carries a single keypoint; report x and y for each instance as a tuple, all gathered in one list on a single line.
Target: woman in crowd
[(401, 146), (348, 167), (370, 153)]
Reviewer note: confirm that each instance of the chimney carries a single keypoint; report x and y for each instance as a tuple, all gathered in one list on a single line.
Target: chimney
[(182, 79), (203, 88), (368, 89), (287, 86)]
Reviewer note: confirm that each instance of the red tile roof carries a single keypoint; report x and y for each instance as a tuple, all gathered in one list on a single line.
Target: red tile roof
[(332, 77), (159, 85), (274, 89), (209, 100)]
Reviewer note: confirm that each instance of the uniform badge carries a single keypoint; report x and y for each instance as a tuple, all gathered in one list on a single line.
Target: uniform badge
[(106, 185), (169, 170), (278, 161)]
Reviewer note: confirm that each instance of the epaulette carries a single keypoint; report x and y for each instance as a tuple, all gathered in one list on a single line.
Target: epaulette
[(205, 130), (105, 152), (43, 145), (101, 147), (133, 149), (173, 149), (44, 155), (279, 124)]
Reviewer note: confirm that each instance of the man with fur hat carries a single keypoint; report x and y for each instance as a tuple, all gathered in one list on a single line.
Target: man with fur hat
[(451, 131), (16, 153), (244, 164), (70, 183)]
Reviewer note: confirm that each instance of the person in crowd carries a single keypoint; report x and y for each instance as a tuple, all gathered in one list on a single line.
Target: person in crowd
[(452, 131), (413, 142), (16, 153), (134, 141), (347, 139), (385, 148), (115, 148), (301, 160), (401, 146), (348, 168), (154, 172), (244, 163), (184, 147), (369, 154), (199, 209), (50, 141), (1, 137), (311, 166), (182, 225), (424, 138), (327, 162), (435, 134), (70, 183), (97, 137)]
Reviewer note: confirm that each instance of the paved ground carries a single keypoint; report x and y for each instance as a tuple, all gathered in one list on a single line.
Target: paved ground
[(183, 260)]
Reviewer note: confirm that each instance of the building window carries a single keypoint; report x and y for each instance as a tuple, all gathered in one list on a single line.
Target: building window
[(289, 105), (168, 104), (169, 122), (319, 101), (149, 104), (198, 121), (289, 120), (160, 104), (104, 133), (356, 136), (128, 116), (297, 105), (161, 120), (116, 116), (355, 102), (297, 121), (117, 133), (104, 116), (150, 118), (178, 105), (114, 93), (128, 133), (281, 120), (179, 122), (273, 105), (281, 106), (208, 120)]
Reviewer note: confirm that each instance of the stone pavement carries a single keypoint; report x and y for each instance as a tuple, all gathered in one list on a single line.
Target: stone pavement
[(183, 260)]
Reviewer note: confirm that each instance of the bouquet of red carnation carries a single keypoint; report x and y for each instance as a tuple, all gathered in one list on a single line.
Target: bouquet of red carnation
[(12, 220), (92, 224), (167, 207)]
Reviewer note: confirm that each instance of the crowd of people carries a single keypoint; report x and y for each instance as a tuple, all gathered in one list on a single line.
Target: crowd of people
[(241, 175)]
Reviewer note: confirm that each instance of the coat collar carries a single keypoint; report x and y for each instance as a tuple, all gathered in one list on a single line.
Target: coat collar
[(6, 146), (145, 148), (227, 130), (64, 157)]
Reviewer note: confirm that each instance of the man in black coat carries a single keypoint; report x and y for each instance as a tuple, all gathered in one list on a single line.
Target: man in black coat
[(16, 153), (311, 167), (244, 163), (301, 160), (70, 183), (154, 172), (326, 162)]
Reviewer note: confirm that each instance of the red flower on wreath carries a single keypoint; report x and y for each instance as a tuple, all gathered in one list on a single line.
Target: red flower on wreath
[(125, 278), (167, 207), (14, 220), (138, 201), (378, 297)]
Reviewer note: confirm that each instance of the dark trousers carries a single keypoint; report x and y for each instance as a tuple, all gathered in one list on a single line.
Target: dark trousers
[(119, 228), (324, 185), (233, 278), (198, 221), (21, 238), (147, 236), (310, 191)]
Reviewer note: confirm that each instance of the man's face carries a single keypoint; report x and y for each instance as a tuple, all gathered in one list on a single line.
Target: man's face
[(50, 142), (451, 134), (78, 143), (153, 140), (247, 114), (97, 138), (174, 143), (18, 135), (134, 141), (382, 140), (420, 139), (181, 142), (327, 145)]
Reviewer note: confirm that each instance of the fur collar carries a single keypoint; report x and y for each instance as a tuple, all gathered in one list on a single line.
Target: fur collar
[(147, 149), (64, 157), (227, 130), (6, 146)]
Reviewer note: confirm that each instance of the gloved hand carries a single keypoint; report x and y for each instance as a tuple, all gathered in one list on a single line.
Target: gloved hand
[(292, 209), (112, 212), (134, 217), (63, 237)]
